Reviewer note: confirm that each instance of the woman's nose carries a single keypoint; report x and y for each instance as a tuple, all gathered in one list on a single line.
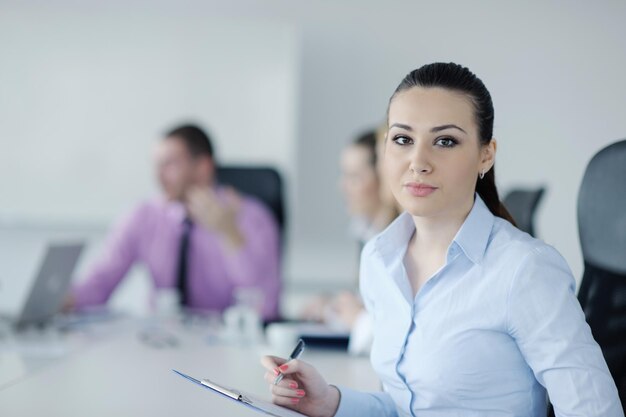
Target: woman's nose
[(420, 160)]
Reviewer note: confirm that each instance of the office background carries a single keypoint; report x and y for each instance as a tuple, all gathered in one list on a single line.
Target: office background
[(88, 87)]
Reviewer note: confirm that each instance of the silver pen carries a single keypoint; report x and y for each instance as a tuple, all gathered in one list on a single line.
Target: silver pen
[(294, 355)]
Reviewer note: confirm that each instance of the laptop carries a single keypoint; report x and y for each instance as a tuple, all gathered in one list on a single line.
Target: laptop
[(51, 284)]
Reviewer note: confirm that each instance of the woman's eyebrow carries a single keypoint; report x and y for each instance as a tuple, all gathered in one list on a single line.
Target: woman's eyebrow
[(433, 130), (402, 126), (444, 127)]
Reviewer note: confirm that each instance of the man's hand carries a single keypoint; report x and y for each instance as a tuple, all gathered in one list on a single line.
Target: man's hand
[(206, 209)]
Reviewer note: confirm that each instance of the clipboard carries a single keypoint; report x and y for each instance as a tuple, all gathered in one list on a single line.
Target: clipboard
[(245, 399)]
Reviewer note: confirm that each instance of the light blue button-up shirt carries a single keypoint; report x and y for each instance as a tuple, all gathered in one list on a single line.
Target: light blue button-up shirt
[(486, 335)]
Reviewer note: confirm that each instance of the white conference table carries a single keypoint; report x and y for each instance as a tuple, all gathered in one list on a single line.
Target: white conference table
[(114, 372)]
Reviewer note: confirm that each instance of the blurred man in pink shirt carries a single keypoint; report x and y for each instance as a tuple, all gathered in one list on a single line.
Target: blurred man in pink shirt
[(198, 237)]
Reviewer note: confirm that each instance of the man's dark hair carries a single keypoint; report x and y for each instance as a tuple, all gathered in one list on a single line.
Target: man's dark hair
[(195, 139)]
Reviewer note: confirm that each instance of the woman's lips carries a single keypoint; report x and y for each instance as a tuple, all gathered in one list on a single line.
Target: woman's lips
[(419, 190)]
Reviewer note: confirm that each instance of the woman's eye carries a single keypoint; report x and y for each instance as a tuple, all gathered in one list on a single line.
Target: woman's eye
[(446, 142), (402, 140)]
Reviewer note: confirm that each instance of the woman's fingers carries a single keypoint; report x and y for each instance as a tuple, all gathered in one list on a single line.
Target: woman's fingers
[(285, 382), (270, 377), (282, 391), (293, 366), (272, 362), (281, 366), (286, 392), (286, 401)]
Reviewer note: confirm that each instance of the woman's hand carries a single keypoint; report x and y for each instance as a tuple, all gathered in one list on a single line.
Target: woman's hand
[(302, 388), (316, 308), (347, 307)]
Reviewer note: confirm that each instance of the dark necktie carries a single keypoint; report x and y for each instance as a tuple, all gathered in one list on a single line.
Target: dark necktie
[(183, 253)]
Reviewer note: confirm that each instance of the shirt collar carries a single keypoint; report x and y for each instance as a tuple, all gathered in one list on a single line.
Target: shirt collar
[(472, 237)]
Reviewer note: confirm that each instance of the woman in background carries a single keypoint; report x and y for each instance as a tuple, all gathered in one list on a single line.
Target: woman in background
[(367, 202), (371, 207)]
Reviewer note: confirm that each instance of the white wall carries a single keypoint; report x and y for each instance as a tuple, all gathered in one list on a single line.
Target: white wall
[(554, 70), (86, 95)]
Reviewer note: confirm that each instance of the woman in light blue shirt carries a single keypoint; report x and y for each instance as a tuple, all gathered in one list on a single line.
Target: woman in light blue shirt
[(472, 317)]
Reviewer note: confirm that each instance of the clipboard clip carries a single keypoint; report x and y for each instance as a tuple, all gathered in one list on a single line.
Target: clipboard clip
[(235, 395)]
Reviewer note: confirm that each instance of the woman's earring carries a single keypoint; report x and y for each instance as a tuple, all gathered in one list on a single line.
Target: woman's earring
[(482, 174)]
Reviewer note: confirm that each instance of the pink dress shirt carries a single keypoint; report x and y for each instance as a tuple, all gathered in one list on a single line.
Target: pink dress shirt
[(151, 236)]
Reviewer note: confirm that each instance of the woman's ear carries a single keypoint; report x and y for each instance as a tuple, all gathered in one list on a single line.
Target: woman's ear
[(488, 155)]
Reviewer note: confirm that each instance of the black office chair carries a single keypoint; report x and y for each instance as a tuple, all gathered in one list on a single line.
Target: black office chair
[(264, 183), (602, 231), (522, 204)]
